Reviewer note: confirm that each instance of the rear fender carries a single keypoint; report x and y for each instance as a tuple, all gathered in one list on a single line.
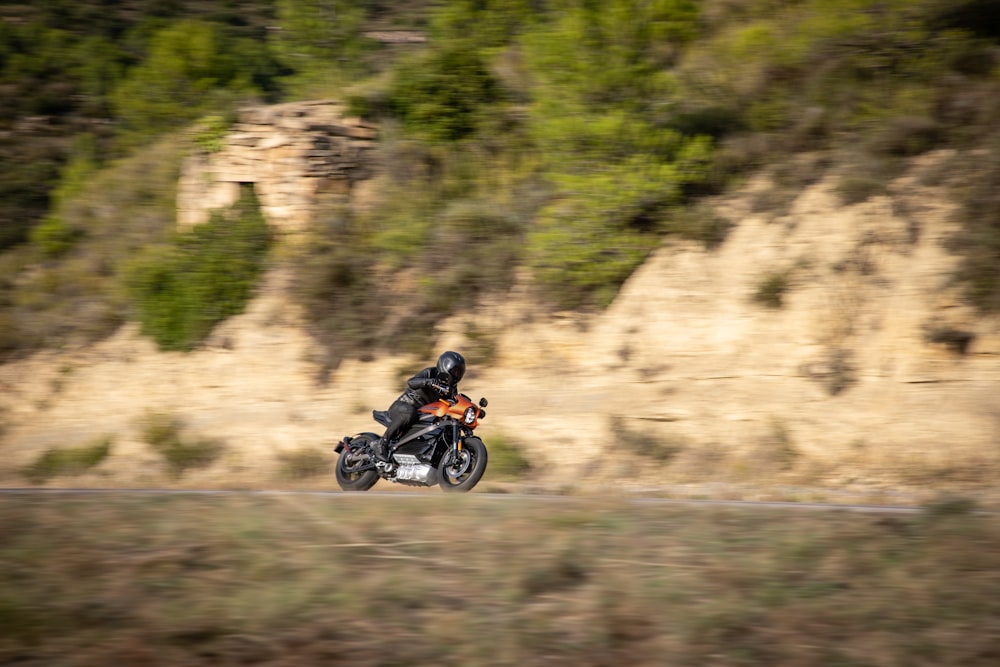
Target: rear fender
[(345, 442)]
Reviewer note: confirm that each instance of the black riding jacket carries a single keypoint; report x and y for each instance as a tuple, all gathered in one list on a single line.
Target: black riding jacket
[(419, 389)]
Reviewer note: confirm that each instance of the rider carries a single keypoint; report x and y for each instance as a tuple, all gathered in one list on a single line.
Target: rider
[(427, 386)]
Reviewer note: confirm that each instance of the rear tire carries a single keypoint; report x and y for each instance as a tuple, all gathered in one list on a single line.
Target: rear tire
[(460, 471), (349, 477)]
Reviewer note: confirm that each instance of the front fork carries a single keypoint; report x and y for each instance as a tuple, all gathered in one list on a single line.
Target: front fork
[(453, 455)]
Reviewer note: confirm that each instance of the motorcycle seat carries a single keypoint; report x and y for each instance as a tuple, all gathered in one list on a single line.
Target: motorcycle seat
[(381, 416)]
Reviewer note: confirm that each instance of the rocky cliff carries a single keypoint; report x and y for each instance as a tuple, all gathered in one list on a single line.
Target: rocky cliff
[(296, 155)]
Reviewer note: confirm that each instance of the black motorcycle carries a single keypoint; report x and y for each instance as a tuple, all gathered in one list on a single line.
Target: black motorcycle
[(439, 448)]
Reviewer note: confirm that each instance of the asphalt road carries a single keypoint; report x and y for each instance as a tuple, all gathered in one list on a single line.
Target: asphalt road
[(498, 497)]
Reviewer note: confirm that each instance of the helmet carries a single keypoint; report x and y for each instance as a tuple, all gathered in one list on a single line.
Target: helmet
[(451, 364)]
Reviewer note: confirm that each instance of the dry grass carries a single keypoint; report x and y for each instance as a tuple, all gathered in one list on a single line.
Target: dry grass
[(377, 580)]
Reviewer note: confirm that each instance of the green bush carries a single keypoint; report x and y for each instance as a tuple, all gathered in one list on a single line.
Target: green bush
[(110, 214), (320, 44), (192, 68), (181, 291), (69, 461), (53, 236), (164, 433), (442, 96), (210, 132), (590, 239), (507, 459)]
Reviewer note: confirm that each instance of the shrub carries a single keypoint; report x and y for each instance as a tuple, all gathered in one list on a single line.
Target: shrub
[(303, 463), (507, 459), (192, 68), (906, 136), (163, 432), (771, 289), (53, 236), (699, 222), (75, 296), (856, 188), (442, 96), (210, 132), (956, 340), (979, 240), (183, 290), (69, 461), (643, 442)]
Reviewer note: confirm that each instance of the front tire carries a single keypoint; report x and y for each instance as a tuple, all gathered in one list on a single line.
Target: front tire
[(351, 473), (460, 471)]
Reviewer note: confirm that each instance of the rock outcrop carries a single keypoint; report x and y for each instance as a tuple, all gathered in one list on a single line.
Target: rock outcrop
[(298, 156)]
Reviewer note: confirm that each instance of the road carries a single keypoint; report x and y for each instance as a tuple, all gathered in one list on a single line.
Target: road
[(498, 497)]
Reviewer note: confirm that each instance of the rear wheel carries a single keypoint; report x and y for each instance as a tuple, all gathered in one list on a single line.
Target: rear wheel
[(461, 470), (353, 473)]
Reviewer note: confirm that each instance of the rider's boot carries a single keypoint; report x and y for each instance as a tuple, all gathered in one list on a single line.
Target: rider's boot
[(382, 450)]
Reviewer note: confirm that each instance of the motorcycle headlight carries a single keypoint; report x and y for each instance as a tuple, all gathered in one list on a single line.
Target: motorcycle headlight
[(469, 416)]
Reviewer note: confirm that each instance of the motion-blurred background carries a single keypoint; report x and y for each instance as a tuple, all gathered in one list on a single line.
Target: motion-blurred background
[(744, 249)]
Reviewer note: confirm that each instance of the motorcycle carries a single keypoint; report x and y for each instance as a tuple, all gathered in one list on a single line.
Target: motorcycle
[(439, 448)]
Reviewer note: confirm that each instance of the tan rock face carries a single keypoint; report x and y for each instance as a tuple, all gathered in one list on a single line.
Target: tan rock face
[(857, 378), (295, 155)]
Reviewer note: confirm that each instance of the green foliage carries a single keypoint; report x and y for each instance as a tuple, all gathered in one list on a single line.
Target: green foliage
[(584, 244), (164, 433), (68, 461), (612, 53), (320, 42), (507, 459), (442, 96), (210, 132), (76, 296), (192, 69), (181, 291), (53, 236), (486, 23)]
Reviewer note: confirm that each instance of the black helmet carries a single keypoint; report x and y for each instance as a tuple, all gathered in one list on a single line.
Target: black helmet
[(451, 364)]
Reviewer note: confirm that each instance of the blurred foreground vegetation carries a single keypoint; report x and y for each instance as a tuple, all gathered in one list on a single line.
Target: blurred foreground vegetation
[(424, 580), (566, 136)]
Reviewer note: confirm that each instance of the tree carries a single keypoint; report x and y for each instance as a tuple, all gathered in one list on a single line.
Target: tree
[(190, 70)]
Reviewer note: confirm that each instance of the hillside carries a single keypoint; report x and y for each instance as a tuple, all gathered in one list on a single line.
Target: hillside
[(713, 247), (685, 385)]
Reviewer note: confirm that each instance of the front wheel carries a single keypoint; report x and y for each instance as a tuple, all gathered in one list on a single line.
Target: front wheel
[(353, 473), (461, 470)]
